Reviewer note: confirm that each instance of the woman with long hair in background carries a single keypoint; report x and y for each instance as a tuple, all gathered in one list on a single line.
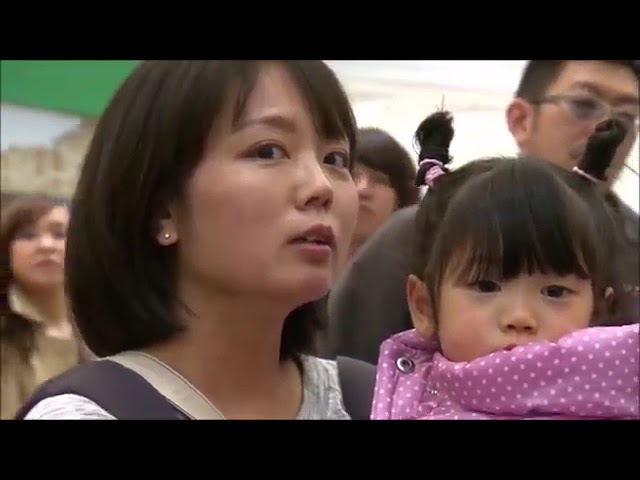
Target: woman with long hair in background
[(37, 338)]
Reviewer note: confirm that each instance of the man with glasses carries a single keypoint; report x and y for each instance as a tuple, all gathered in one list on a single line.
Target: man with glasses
[(559, 103), (556, 108)]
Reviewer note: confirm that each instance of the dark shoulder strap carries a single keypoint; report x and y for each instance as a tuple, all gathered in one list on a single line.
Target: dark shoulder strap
[(118, 390), (357, 381), (127, 396)]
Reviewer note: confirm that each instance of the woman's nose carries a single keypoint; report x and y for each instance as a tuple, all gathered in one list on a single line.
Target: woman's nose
[(318, 188), (46, 241), (363, 184)]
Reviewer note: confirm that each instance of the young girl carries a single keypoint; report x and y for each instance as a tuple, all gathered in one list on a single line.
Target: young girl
[(514, 300)]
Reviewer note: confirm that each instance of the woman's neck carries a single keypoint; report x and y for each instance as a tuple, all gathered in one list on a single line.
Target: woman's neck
[(230, 352), (46, 307)]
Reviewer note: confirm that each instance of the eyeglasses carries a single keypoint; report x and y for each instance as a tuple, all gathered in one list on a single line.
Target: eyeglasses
[(589, 108)]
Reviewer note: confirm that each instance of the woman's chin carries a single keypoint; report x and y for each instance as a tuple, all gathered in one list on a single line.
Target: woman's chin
[(309, 289)]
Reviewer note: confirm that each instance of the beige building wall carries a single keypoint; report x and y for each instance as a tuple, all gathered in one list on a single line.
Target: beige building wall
[(43, 159)]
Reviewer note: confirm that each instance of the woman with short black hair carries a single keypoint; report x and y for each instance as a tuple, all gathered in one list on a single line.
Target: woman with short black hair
[(213, 209), (385, 174)]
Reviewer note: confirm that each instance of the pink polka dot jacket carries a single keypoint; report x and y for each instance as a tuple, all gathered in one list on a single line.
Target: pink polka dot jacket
[(588, 374)]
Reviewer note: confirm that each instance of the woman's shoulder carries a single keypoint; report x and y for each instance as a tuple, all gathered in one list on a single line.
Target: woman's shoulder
[(322, 398), (67, 407)]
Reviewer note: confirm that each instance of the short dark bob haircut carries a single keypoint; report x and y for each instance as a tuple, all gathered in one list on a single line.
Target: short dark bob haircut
[(150, 138), (380, 151)]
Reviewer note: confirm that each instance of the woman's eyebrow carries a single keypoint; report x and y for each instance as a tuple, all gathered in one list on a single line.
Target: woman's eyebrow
[(278, 121)]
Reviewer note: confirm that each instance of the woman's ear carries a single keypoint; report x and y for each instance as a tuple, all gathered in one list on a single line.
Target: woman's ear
[(165, 226), (420, 307)]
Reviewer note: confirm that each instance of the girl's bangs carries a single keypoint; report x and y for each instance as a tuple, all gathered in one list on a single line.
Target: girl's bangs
[(518, 219)]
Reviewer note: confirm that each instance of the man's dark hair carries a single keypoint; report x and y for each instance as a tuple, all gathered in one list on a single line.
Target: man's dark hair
[(150, 138), (538, 75)]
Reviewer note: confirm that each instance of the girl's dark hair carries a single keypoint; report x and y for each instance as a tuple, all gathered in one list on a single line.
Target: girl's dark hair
[(601, 149), (432, 140), (518, 217), (19, 214), (150, 138), (599, 153), (503, 216)]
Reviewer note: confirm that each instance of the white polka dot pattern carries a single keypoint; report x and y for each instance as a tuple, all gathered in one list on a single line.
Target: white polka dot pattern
[(591, 373)]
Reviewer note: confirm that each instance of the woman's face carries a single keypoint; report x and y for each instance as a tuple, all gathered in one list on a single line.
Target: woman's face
[(378, 201), (271, 209), (37, 251)]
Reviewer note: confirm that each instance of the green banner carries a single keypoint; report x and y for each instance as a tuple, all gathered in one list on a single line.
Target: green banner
[(80, 87)]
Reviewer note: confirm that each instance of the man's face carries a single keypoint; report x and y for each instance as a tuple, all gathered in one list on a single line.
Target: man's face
[(557, 126)]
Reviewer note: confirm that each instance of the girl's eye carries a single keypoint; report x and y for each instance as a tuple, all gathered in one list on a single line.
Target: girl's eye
[(555, 291), (485, 286), (268, 152), (337, 159)]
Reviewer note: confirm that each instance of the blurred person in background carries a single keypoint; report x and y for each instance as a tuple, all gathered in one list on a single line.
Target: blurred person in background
[(556, 108), (37, 338), (384, 173)]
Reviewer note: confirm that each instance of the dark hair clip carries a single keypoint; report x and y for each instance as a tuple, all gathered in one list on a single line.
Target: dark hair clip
[(430, 169)]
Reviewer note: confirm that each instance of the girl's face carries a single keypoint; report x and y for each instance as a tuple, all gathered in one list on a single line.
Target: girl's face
[(515, 261), (37, 251), (476, 319)]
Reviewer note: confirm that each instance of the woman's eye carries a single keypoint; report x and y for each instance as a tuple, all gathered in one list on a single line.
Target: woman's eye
[(485, 286), (268, 152), (337, 159), (26, 235)]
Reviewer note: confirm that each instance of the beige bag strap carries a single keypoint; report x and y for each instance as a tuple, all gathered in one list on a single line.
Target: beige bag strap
[(173, 386)]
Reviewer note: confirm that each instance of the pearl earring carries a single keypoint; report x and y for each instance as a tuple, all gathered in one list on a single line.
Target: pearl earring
[(167, 236)]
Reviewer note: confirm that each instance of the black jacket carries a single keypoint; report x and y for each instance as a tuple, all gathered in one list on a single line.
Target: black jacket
[(367, 304)]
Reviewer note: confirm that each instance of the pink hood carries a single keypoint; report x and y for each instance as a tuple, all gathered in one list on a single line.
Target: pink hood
[(592, 373)]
